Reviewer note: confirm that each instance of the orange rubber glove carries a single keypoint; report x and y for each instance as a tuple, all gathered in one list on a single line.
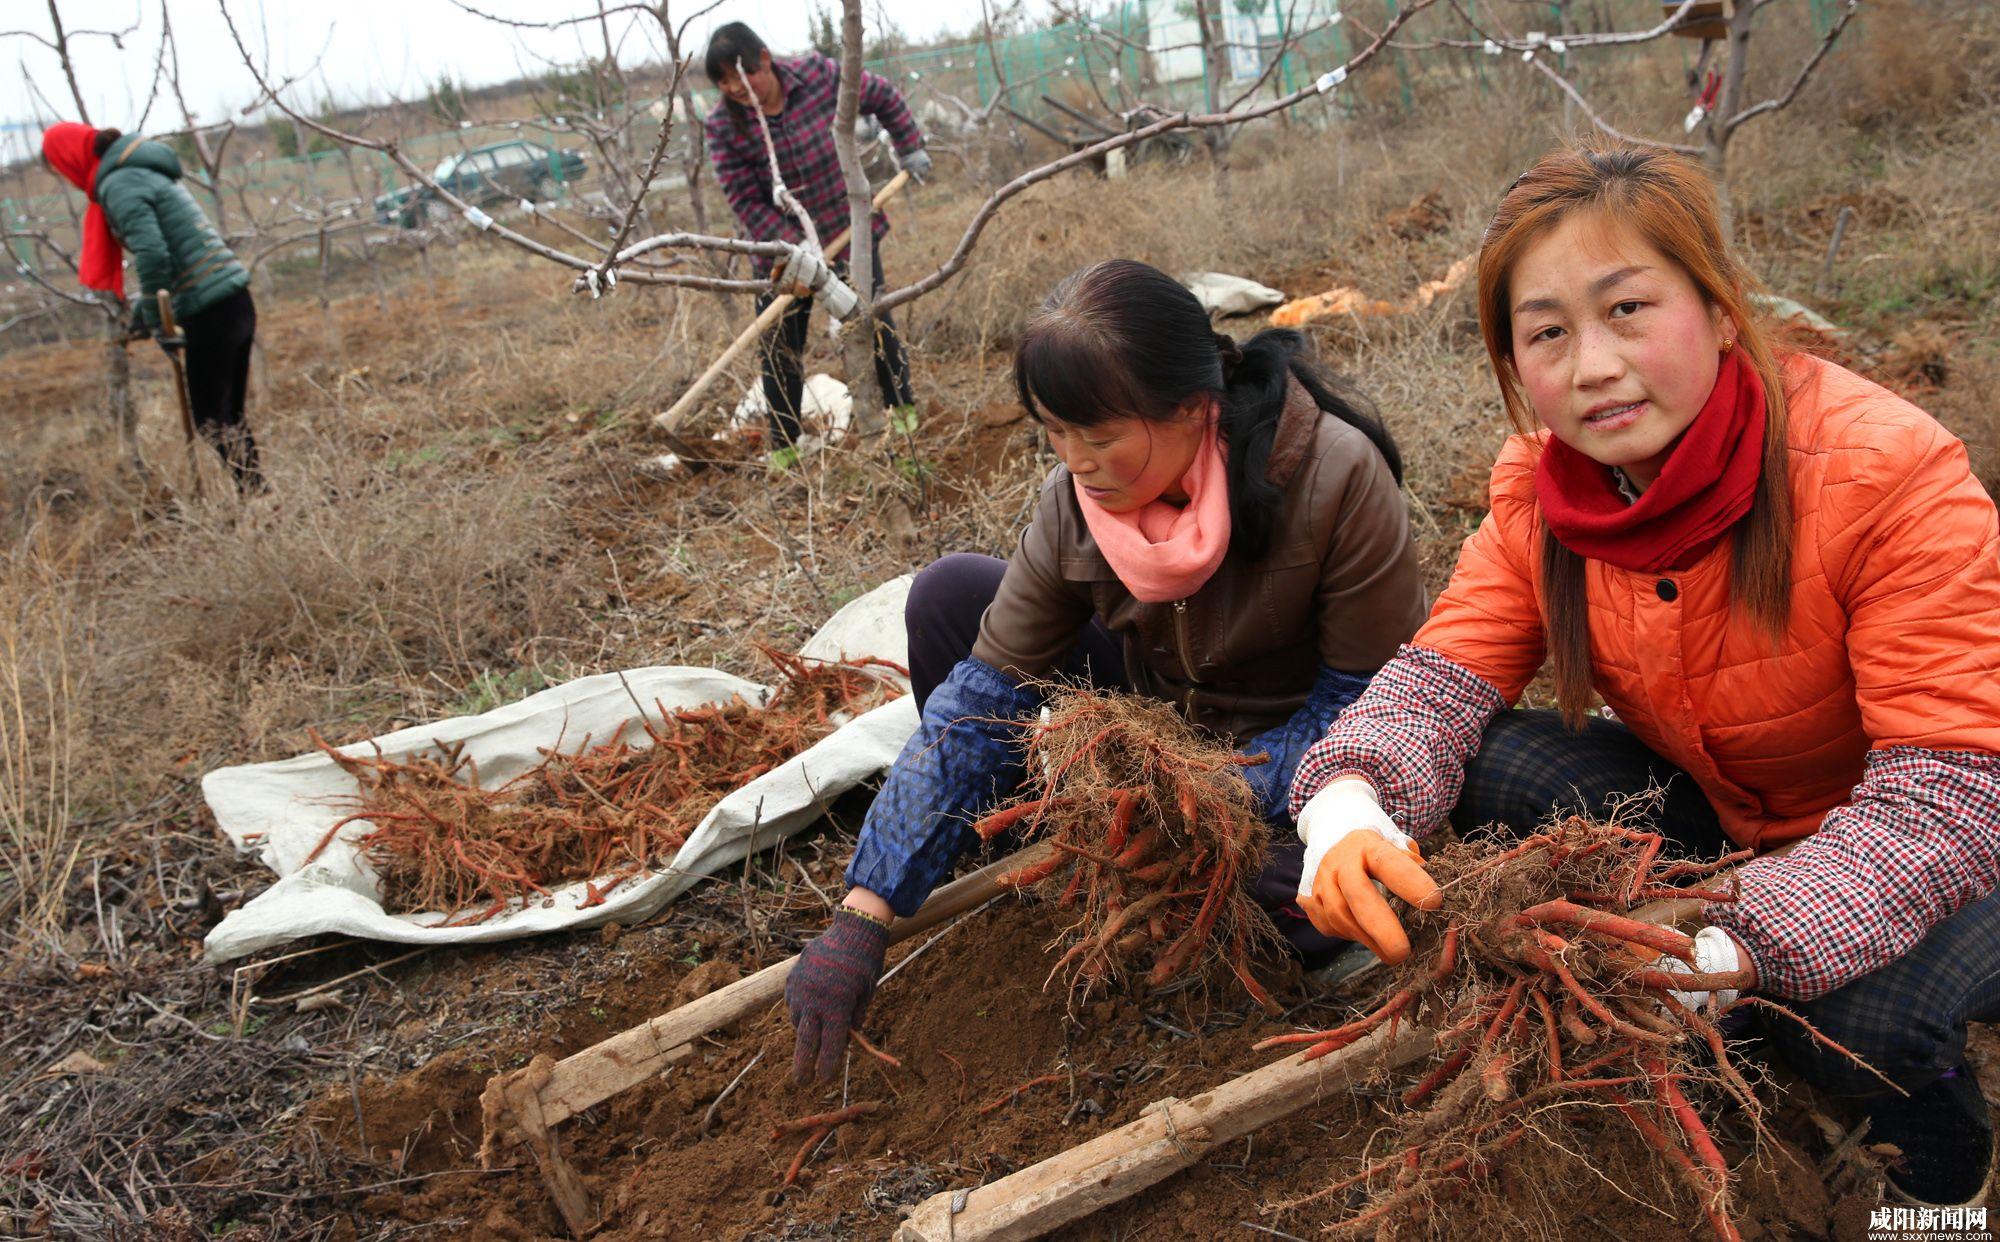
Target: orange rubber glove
[(1355, 856)]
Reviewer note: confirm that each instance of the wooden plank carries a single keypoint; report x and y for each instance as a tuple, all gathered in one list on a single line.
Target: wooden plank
[(1176, 1134), (630, 1057), (1173, 1135)]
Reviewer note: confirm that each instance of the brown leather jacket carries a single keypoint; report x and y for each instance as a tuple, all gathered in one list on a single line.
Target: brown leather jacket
[(1339, 586)]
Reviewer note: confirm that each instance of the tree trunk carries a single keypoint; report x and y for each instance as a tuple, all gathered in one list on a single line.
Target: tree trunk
[(118, 390), (1728, 102), (1213, 58), (858, 346)]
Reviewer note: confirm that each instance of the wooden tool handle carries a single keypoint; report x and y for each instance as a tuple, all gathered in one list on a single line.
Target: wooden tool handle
[(671, 420)]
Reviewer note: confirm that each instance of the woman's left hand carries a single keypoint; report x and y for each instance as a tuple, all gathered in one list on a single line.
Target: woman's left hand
[(1716, 952)]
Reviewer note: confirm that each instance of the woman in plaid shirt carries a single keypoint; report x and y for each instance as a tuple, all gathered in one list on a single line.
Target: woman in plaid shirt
[(797, 99), (1785, 583)]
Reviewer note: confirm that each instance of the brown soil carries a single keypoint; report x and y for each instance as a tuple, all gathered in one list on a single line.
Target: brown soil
[(970, 1024)]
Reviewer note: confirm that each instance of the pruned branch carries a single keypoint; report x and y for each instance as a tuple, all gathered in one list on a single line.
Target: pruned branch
[(1293, 38), (1492, 44), (637, 205), (1805, 71), (1591, 115), (781, 194), (561, 23), (478, 218)]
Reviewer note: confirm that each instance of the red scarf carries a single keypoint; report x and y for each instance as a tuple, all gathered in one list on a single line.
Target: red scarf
[(70, 149), (1704, 489)]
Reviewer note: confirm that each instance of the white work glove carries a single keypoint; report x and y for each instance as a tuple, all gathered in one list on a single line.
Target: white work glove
[(918, 164), (1715, 953), (1344, 806), (1355, 858), (810, 271)]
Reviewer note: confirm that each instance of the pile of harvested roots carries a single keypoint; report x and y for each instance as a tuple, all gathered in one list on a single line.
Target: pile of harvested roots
[(1547, 1006), (1156, 837), (601, 813)]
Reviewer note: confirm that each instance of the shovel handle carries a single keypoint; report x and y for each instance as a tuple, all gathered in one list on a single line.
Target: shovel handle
[(670, 421), (171, 329)]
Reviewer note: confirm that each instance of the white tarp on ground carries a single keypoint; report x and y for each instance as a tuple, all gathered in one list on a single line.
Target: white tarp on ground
[(1222, 294), (283, 809)]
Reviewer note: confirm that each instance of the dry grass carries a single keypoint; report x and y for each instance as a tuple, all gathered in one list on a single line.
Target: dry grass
[(45, 679), (458, 521)]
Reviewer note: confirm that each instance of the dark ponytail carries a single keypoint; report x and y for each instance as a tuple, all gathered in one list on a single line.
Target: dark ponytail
[(728, 45), (1122, 339), (103, 140), (1253, 402)]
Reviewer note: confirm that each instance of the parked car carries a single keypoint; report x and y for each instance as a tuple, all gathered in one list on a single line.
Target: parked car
[(500, 172)]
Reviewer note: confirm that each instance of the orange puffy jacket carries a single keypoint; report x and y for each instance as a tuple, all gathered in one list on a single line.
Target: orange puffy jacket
[(1894, 637)]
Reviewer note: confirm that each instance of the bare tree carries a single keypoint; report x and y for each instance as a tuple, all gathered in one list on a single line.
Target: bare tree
[(1167, 123), (110, 309), (859, 351), (1719, 110), (598, 267)]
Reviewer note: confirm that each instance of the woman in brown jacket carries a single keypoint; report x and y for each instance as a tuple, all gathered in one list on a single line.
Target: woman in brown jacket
[(1225, 532)]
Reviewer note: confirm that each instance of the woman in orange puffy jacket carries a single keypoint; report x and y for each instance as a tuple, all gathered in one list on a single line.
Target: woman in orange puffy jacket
[(1783, 582)]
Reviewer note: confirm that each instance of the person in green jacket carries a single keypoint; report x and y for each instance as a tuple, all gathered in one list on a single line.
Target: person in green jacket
[(139, 204)]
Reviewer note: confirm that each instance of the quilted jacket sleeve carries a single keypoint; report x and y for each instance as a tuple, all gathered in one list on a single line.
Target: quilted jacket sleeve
[(1916, 564), (964, 757), (129, 198)]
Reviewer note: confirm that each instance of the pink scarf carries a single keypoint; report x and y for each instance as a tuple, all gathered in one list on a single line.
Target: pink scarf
[(1165, 552)]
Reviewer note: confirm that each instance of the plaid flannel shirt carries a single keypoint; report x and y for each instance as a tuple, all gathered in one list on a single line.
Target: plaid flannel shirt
[(803, 136), (1918, 838)]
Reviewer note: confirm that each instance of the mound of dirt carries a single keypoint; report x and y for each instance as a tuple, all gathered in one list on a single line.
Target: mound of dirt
[(971, 1026)]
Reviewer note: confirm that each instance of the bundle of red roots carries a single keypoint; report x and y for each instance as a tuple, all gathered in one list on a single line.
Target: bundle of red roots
[(1549, 1009), (1155, 836), (602, 813)]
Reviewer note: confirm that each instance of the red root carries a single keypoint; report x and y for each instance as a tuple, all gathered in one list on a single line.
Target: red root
[(1529, 1019)]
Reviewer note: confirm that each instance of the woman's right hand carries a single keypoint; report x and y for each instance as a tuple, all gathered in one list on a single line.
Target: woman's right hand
[(830, 987), (1355, 856)]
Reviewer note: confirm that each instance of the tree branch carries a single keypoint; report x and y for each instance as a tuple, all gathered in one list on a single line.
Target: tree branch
[(1673, 22), (477, 217), (1805, 72), (1176, 121), (1591, 113)]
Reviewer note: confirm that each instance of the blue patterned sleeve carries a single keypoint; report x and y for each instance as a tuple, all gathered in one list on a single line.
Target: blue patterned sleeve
[(1287, 744), (964, 757)]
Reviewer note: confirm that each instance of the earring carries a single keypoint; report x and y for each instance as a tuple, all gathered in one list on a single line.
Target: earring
[(1728, 343)]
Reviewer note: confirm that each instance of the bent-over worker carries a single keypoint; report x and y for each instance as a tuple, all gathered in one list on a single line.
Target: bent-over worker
[(138, 200), (796, 98)]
